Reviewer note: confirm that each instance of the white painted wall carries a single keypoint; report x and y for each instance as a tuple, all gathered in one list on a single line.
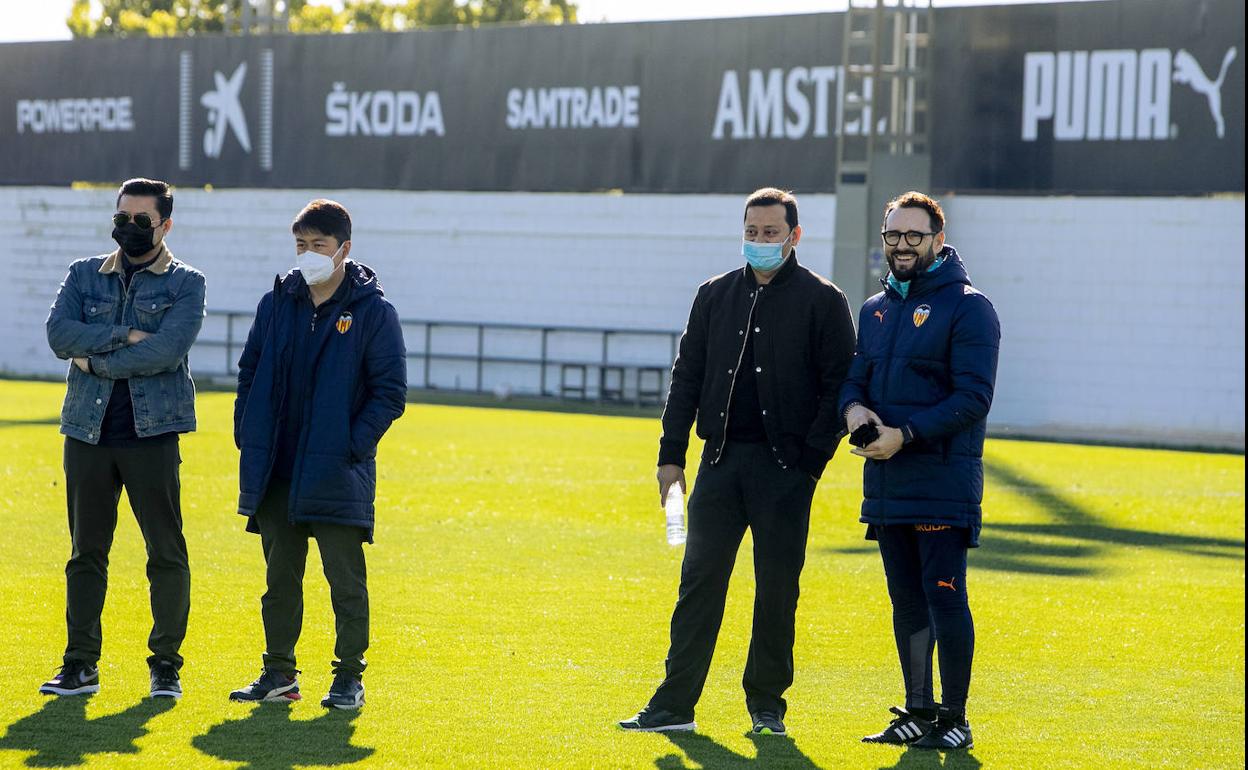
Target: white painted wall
[(1123, 319)]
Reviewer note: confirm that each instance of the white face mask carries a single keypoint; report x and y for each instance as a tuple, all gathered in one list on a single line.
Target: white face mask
[(315, 267)]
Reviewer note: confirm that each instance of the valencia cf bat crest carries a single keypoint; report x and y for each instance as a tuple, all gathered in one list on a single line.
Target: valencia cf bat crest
[(920, 315), (344, 323)]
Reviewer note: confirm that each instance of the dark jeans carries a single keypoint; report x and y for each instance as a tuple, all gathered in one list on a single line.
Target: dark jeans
[(285, 555), (94, 477), (926, 570), (746, 489)]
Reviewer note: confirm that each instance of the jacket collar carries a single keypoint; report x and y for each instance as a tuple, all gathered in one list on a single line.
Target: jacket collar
[(164, 257), (359, 281), (948, 270), (782, 275), (299, 287)]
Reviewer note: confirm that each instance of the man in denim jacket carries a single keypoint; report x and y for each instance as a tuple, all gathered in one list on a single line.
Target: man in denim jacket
[(127, 320)]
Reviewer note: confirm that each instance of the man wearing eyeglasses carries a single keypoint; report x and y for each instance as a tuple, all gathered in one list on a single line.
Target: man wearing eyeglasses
[(126, 322), (916, 403)]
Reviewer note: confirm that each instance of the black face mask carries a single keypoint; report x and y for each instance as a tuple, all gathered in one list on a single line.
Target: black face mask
[(134, 240)]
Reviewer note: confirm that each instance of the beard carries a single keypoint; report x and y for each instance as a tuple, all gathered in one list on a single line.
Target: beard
[(915, 267)]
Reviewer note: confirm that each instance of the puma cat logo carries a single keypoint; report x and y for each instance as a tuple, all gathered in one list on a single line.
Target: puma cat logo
[(1187, 71)]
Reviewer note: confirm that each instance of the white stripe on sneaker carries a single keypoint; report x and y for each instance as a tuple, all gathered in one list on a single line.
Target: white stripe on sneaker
[(954, 737)]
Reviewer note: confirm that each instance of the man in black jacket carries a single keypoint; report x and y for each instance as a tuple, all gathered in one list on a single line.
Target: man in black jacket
[(759, 367)]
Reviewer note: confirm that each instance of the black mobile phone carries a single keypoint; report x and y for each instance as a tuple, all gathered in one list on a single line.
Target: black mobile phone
[(866, 434)]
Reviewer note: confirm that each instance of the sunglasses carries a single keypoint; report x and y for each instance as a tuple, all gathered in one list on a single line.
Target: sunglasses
[(121, 219)]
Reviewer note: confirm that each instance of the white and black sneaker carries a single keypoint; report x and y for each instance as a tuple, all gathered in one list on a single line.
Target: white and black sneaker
[(951, 731), (347, 692), (271, 686), (165, 680), (653, 720), (74, 678), (902, 731)]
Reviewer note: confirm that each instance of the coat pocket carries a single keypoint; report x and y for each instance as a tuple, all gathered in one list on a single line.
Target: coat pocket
[(149, 310), (98, 310), (926, 381)]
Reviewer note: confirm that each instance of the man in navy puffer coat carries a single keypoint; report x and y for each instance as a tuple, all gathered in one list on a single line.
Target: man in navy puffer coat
[(923, 376), (322, 377)]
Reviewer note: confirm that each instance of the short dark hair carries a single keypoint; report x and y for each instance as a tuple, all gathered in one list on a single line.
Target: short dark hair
[(325, 217), (917, 200), (154, 187), (774, 196)]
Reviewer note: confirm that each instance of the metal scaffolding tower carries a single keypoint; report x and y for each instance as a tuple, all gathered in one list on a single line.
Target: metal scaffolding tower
[(882, 145), (261, 17)]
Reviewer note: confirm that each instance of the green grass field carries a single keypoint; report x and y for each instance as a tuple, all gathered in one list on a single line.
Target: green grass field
[(521, 590)]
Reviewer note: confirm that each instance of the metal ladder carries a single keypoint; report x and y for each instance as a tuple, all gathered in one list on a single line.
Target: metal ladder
[(885, 60), (882, 129), (262, 17)]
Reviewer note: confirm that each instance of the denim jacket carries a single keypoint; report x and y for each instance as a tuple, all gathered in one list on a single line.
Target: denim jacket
[(92, 318)]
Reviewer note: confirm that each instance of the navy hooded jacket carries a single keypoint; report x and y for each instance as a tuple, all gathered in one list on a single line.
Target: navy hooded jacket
[(358, 387), (929, 361)]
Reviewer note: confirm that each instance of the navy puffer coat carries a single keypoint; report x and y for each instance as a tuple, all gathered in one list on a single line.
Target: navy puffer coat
[(358, 388), (927, 360)]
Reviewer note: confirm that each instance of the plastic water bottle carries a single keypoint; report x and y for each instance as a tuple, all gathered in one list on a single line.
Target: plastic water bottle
[(674, 507)]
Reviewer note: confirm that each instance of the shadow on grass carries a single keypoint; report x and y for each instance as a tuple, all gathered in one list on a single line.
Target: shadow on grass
[(1011, 547), (268, 739), (926, 759), (31, 421), (773, 751), (61, 735)]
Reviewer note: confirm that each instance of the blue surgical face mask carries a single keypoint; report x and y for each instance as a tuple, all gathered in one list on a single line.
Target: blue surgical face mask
[(764, 257)]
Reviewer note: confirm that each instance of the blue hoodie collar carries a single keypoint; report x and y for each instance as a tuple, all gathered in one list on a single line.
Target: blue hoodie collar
[(903, 287), (360, 280)]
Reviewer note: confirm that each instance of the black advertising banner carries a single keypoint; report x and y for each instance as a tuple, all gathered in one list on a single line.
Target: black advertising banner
[(1143, 97), (1139, 97)]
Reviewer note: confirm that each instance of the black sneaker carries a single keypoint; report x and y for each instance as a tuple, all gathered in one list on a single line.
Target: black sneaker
[(952, 731), (347, 692), (652, 720), (272, 685), (768, 723), (74, 678), (904, 730), (165, 681)]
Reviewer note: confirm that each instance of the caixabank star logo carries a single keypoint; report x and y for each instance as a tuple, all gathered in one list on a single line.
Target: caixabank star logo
[(225, 113)]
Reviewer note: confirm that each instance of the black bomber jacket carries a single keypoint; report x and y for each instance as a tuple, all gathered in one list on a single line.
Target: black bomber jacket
[(803, 343)]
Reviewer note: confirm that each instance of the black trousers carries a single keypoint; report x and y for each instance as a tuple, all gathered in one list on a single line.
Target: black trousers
[(746, 489), (94, 477), (285, 555), (926, 570)]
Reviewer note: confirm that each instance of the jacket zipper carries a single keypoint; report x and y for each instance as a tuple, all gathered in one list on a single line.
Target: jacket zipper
[(892, 344), (745, 340), (297, 472)]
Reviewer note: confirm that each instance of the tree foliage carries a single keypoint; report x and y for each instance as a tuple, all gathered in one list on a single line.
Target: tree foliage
[(165, 18)]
